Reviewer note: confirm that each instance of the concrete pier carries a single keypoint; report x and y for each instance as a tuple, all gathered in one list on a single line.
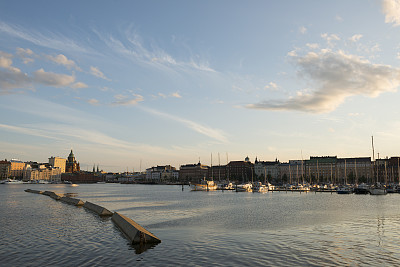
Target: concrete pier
[(98, 209), (33, 191), (55, 196), (72, 201), (135, 233)]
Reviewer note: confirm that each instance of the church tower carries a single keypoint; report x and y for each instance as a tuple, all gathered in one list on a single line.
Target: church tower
[(71, 164)]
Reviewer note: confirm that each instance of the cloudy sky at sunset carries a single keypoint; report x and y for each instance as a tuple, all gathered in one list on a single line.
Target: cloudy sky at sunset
[(169, 82)]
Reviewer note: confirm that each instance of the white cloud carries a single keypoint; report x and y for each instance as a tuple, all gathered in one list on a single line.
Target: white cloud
[(216, 134), (25, 54), (391, 9), (303, 30), (176, 95), (96, 72), (272, 86), (64, 61), (330, 38), (93, 101), (52, 79), (123, 100), (356, 37), (79, 85), (313, 45), (335, 77), (162, 95)]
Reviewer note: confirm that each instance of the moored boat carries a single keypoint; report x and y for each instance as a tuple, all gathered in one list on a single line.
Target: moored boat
[(378, 189), (204, 186), (362, 189), (344, 190), (258, 187)]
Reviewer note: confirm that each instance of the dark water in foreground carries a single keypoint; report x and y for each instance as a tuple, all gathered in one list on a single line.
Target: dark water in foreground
[(199, 228)]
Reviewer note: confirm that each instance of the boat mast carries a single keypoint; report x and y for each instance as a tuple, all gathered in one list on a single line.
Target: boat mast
[(212, 174), (373, 159), (219, 168)]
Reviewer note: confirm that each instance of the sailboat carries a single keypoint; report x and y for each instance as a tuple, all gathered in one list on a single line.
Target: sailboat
[(344, 189), (377, 188)]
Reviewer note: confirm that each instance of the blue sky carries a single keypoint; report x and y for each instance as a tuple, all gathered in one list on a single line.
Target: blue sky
[(169, 82)]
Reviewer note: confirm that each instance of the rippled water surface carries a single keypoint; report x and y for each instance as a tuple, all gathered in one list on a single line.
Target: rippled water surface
[(218, 228)]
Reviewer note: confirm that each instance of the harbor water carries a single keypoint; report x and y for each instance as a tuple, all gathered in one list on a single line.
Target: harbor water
[(218, 228)]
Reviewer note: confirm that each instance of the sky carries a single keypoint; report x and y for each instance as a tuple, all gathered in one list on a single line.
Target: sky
[(133, 84)]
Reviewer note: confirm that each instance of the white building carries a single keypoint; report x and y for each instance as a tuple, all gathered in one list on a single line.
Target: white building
[(42, 173), (160, 173)]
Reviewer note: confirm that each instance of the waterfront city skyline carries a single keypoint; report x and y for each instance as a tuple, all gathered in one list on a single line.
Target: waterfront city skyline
[(135, 83)]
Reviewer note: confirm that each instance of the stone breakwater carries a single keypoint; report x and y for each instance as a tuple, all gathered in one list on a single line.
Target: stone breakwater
[(135, 233)]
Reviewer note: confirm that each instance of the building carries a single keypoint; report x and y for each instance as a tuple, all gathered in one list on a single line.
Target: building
[(81, 177), (58, 162), (35, 172), (267, 169), (354, 170), (193, 172), (72, 165), (5, 169), (162, 173), (321, 170), (17, 169), (241, 171), (217, 173)]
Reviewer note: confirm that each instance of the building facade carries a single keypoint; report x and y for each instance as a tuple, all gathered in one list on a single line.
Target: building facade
[(58, 162), (41, 172), (17, 169), (193, 172), (162, 173), (5, 169)]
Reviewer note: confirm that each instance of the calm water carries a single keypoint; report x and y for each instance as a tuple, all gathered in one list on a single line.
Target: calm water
[(199, 228)]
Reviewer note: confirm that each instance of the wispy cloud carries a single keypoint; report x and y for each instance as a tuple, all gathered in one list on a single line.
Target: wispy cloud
[(132, 46), (96, 72), (356, 37), (176, 95), (391, 9), (335, 76), (124, 100), (51, 40), (215, 134)]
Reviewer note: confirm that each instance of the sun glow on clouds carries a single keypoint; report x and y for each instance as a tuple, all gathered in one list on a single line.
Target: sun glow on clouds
[(335, 76), (391, 9)]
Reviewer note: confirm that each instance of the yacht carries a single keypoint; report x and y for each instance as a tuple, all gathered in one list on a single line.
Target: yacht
[(378, 189), (362, 189), (258, 187), (248, 187), (12, 181), (344, 190), (204, 186)]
